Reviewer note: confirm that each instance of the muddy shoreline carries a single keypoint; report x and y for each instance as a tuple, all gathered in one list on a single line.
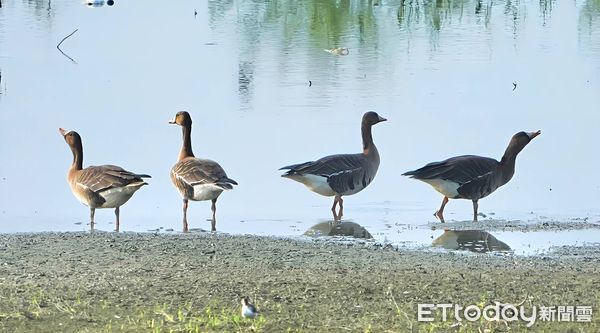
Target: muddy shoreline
[(132, 282), (490, 224)]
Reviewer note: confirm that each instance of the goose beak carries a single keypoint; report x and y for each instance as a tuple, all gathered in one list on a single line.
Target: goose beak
[(533, 134), (172, 121), (63, 131), (382, 119)]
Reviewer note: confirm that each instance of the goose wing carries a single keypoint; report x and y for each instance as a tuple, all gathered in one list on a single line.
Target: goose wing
[(343, 172), (195, 171), (460, 169), (104, 177)]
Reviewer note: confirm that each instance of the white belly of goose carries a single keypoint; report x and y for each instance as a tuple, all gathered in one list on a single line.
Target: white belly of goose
[(206, 192), (116, 197), (317, 184), (445, 187)]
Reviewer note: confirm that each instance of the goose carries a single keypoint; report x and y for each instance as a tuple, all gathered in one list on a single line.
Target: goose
[(104, 186), (197, 179), (344, 174), (472, 177)]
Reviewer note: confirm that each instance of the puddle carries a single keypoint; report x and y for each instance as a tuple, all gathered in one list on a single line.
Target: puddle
[(470, 240), (348, 229), (534, 236), (384, 223), (516, 242)]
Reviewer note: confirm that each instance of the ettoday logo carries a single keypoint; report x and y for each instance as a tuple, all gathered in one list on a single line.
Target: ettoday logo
[(504, 312)]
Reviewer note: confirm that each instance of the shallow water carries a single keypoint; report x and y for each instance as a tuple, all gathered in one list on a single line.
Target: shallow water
[(441, 72)]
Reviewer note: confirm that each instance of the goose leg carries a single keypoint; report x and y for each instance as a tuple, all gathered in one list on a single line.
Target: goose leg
[(117, 223), (335, 201), (475, 207), (213, 207), (92, 212), (440, 213), (341, 202), (185, 224)]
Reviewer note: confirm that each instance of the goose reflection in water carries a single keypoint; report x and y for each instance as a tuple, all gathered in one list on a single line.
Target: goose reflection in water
[(471, 240), (349, 229)]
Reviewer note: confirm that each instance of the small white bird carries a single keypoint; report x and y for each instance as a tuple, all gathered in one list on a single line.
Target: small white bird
[(248, 309)]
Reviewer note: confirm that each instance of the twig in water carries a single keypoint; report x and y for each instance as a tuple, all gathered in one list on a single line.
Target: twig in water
[(2, 91), (62, 40)]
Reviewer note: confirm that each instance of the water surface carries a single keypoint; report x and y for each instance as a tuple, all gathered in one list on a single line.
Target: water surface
[(442, 73)]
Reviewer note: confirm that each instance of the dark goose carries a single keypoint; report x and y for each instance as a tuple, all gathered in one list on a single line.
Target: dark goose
[(339, 175), (472, 177)]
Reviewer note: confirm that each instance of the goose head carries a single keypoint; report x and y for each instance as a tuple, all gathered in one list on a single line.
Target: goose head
[(72, 138), (521, 139), (371, 118), (182, 118)]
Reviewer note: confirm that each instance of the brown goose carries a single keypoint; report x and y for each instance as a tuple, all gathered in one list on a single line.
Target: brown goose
[(197, 179), (472, 177), (104, 186), (339, 175)]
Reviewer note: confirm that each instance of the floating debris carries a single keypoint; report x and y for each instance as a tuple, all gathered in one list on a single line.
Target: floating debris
[(98, 3), (341, 51)]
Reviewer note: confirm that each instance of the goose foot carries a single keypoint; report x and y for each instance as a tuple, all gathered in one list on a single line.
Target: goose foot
[(440, 216), (440, 213)]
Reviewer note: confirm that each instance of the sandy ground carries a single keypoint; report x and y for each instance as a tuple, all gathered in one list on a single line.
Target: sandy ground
[(144, 282)]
